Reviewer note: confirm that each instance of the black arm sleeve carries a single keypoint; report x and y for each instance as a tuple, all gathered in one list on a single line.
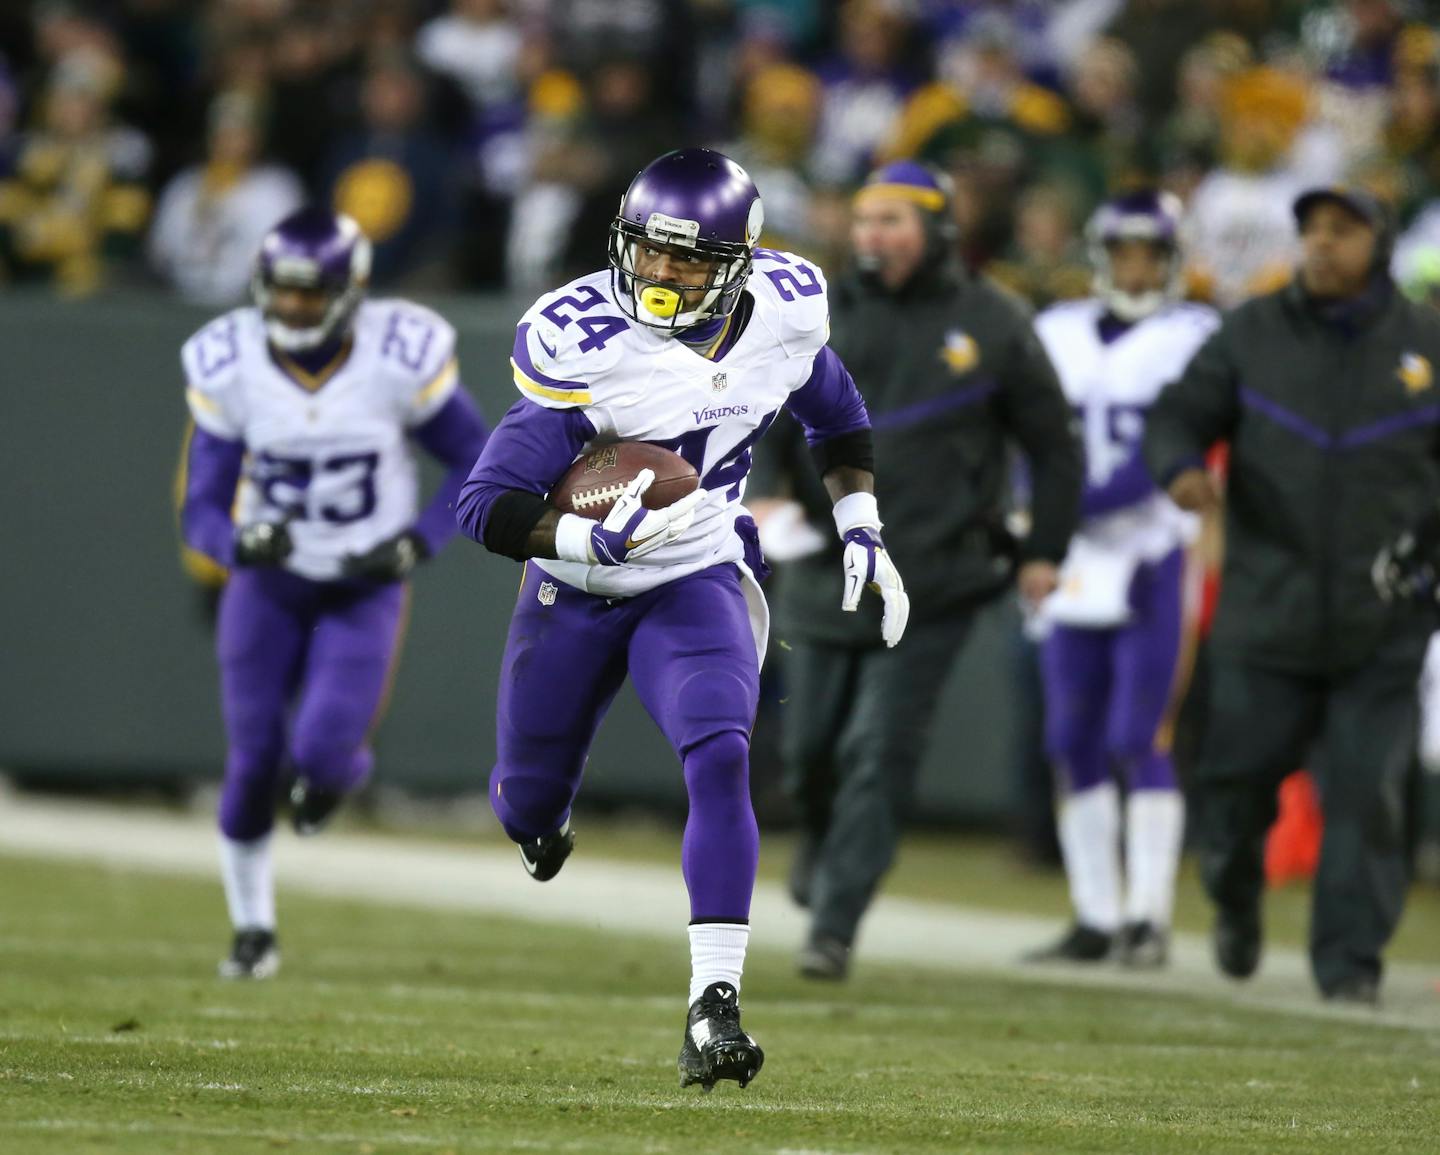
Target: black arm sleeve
[(1193, 412), (856, 450), (512, 516)]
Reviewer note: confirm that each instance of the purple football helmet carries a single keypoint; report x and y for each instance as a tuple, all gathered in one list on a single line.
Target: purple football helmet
[(1140, 216), (312, 249), (698, 202)]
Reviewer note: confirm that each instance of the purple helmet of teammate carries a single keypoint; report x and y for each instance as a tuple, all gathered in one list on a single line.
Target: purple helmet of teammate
[(1153, 217), (312, 249), (699, 205)]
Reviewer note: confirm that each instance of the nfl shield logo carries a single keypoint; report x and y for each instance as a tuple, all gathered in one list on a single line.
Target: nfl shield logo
[(547, 593), (719, 383)]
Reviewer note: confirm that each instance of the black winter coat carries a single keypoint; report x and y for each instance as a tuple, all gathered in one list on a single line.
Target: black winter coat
[(1334, 432), (952, 373)]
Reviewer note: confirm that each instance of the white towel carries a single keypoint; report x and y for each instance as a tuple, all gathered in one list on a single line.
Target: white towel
[(1094, 590)]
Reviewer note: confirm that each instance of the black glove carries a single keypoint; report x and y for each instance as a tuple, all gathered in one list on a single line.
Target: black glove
[(262, 543), (1408, 569), (392, 560)]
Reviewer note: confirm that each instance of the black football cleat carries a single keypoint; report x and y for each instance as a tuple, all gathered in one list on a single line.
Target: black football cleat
[(254, 954), (1079, 944), (1237, 940), (1143, 945), (311, 809), (543, 857), (715, 1046)]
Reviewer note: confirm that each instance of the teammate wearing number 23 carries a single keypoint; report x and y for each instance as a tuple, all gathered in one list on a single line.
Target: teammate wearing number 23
[(309, 402), (694, 339)]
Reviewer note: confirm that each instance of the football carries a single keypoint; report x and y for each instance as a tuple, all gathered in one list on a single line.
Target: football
[(591, 485)]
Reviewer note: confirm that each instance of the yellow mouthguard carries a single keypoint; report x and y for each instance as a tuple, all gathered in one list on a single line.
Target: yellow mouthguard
[(661, 302)]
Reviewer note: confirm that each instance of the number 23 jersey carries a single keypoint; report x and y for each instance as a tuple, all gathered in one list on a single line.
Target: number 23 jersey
[(575, 349), (330, 456)]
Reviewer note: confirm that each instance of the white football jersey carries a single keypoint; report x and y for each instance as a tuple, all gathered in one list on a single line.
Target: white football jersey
[(635, 384), (1112, 386), (330, 455), (1430, 708)]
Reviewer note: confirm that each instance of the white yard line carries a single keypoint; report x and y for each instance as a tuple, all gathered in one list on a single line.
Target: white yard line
[(650, 900)]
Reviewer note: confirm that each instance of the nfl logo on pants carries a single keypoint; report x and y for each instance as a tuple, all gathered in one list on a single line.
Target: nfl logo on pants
[(547, 593)]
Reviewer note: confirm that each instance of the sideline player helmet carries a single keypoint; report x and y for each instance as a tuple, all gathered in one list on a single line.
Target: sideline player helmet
[(312, 249), (1140, 216), (695, 200)]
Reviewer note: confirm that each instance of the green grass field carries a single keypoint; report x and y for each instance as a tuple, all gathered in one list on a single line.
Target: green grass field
[(398, 1030), (967, 869)]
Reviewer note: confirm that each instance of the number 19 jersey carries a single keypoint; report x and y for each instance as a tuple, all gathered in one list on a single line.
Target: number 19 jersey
[(1112, 386), (329, 455)]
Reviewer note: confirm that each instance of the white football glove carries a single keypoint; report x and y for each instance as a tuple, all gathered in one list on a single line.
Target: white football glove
[(630, 530), (867, 563)]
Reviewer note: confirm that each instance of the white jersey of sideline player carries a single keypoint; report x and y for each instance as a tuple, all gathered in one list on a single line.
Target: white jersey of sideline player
[(635, 384), (1112, 386), (334, 458), (1430, 708)]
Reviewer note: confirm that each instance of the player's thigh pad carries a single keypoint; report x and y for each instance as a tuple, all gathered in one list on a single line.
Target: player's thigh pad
[(564, 661), (1075, 667), (711, 702), (1146, 659), (348, 668), (693, 659), (261, 638)]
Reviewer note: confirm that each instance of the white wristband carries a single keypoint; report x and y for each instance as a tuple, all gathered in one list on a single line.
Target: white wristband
[(854, 510), (572, 539)]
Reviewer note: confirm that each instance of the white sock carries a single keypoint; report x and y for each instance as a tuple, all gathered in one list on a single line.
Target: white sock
[(249, 882), (1154, 831), (1089, 828), (717, 954)]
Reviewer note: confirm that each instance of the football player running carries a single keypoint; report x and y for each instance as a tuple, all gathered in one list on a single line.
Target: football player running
[(1110, 661), (693, 339), (309, 401)]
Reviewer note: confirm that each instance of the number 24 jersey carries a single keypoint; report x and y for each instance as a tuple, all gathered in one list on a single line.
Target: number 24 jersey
[(575, 349)]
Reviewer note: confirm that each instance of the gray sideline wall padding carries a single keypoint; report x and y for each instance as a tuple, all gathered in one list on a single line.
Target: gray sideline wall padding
[(106, 663)]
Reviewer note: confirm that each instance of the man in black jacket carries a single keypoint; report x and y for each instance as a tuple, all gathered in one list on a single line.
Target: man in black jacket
[(1325, 391), (951, 371)]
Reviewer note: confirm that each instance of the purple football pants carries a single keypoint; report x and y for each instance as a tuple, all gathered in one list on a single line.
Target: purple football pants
[(689, 650), (1108, 691), (315, 654)]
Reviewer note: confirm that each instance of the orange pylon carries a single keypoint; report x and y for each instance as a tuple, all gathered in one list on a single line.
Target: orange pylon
[(1292, 848)]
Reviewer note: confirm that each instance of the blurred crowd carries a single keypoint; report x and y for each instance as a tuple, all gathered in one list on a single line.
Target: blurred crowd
[(485, 143)]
